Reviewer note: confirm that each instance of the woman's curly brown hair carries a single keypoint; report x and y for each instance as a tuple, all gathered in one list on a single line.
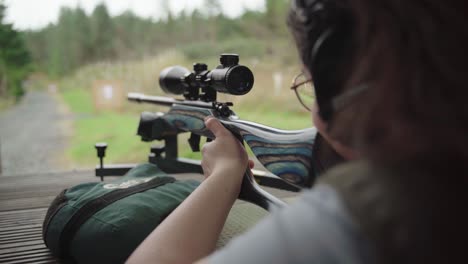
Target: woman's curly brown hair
[(412, 54)]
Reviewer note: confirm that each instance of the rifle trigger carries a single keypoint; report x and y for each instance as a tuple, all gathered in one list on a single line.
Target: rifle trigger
[(194, 142)]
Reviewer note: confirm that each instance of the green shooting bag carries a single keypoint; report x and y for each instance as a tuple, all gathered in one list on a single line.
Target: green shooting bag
[(104, 222)]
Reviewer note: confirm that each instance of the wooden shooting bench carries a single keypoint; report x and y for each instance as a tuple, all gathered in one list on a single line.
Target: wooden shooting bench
[(24, 200)]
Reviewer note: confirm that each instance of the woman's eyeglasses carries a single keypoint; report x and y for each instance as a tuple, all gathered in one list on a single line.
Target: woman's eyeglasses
[(302, 86)]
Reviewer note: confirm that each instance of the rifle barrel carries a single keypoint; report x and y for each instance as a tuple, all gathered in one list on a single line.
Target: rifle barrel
[(165, 101)]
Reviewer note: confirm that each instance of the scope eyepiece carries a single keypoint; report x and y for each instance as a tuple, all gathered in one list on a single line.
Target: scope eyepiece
[(236, 80), (229, 77)]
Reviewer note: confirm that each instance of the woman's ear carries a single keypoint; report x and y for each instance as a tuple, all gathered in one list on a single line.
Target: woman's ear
[(318, 122), (345, 151)]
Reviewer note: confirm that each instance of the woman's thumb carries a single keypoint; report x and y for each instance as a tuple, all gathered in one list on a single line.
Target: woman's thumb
[(215, 126)]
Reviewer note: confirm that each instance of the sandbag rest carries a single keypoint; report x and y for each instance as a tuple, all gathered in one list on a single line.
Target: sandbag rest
[(104, 222)]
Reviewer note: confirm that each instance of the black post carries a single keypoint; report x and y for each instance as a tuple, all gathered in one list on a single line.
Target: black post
[(101, 153), (170, 147)]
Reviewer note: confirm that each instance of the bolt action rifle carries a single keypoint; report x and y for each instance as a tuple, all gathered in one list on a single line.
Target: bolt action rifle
[(287, 155)]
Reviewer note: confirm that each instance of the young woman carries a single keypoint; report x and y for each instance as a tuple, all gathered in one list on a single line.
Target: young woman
[(391, 75)]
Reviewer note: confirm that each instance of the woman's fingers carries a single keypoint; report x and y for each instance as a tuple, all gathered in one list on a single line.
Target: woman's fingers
[(215, 126), (251, 164), (224, 153)]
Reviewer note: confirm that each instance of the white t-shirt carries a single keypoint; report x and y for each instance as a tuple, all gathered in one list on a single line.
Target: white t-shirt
[(315, 229)]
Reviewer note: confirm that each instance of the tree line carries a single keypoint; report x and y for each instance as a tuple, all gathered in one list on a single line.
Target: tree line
[(78, 39), (15, 59)]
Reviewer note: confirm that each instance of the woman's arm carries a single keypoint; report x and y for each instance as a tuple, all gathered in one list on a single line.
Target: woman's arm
[(191, 231)]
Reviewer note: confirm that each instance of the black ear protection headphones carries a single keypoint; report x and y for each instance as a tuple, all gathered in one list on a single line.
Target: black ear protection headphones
[(328, 25)]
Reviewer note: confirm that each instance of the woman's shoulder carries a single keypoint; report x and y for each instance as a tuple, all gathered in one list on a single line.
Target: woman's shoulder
[(316, 227)]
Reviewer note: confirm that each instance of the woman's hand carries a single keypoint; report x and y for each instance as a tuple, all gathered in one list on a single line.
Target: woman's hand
[(224, 161), (225, 154)]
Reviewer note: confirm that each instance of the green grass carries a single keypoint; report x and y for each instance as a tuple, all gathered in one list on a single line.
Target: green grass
[(117, 130), (79, 101)]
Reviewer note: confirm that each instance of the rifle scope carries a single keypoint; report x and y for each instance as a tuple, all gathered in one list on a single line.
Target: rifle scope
[(229, 77)]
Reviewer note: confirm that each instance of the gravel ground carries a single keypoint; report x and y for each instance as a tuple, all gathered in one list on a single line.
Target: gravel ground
[(33, 136)]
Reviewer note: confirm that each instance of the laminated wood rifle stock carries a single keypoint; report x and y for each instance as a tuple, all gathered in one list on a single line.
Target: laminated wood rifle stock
[(286, 154)]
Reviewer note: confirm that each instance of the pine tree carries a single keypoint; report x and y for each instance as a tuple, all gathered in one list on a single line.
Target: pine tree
[(102, 34), (274, 10), (82, 45), (14, 58)]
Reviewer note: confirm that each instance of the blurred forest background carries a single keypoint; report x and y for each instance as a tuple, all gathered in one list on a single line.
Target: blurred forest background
[(69, 56)]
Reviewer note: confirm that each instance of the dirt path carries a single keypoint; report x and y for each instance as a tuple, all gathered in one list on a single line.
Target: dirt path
[(33, 137)]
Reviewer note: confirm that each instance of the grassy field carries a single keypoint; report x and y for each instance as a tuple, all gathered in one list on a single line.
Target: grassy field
[(278, 108), (117, 129)]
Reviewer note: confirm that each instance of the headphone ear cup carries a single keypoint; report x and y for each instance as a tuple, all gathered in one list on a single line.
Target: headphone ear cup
[(331, 53), (322, 73)]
